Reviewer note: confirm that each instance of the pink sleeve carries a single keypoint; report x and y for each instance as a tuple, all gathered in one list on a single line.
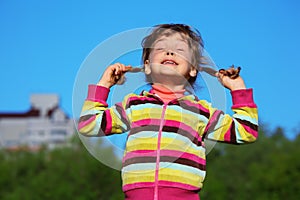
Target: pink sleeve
[(97, 93), (242, 98)]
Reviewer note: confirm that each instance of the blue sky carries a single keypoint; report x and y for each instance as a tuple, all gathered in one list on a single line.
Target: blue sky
[(44, 43)]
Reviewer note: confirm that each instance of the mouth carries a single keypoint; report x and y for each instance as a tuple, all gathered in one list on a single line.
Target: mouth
[(169, 62)]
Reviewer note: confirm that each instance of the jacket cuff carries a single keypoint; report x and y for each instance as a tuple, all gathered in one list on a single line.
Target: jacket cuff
[(242, 97), (97, 93)]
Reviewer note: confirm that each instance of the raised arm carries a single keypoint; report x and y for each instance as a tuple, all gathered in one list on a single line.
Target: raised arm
[(242, 126), (96, 119)]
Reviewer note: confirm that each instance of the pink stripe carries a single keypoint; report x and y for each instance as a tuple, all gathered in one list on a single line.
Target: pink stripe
[(247, 129), (160, 183), (123, 114), (250, 130), (227, 134), (172, 153), (108, 119), (137, 185), (249, 105), (84, 123), (178, 154), (143, 122), (182, 126), (167, 123), (139, 153), (178, 185), (165, 193), (139, 98), (212, 119), (197, 105)]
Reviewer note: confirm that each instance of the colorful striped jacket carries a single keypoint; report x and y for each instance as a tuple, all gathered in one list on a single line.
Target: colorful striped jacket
[(165, 141)]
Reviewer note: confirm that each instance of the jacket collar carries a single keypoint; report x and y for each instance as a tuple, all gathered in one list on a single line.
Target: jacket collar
[(188, 96)]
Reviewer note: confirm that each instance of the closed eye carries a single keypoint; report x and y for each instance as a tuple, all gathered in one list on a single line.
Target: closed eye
[(159, 48)]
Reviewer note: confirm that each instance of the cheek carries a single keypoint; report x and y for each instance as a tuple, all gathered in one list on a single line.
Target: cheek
[(188, 57), (154, 56)]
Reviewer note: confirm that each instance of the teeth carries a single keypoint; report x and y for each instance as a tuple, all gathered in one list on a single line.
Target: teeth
[(169, 62)]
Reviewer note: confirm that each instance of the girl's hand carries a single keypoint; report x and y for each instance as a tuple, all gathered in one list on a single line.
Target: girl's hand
[(114, 74), (231, 79)]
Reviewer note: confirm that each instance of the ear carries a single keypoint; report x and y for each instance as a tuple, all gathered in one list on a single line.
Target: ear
[(193, 71), (147, 67)]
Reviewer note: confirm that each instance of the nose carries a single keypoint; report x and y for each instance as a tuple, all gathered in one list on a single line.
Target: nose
[(169, 53)]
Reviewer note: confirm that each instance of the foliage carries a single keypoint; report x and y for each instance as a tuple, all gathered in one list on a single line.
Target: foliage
[(64, 173), (266, 169)]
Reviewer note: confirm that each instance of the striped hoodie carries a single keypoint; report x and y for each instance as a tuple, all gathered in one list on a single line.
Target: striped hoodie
[(165, 145)]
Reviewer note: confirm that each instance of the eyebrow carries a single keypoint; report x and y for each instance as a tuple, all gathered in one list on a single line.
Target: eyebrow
[(160, 40), (163, 39)]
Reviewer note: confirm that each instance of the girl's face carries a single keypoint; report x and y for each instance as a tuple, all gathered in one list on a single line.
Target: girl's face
[(170, 59)]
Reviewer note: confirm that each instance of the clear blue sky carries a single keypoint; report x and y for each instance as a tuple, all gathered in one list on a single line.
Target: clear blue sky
[(43, 44)]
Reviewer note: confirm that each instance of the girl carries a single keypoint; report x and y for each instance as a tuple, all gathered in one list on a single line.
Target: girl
[(165, 153)]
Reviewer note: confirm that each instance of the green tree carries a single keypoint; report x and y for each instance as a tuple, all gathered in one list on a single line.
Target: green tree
[(266, 169), (63, 173)]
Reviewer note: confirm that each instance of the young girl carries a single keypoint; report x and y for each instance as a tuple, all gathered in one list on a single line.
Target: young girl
[(165, 153)]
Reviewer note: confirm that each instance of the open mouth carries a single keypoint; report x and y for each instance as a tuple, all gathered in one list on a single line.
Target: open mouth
[(169, 62)]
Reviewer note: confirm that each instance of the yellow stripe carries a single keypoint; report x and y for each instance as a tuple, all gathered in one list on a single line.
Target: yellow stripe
[(166, 144), (146, 113), (204, 104), (245, 136), (164, 174), (179, 145), (141, 143), (219, 134), (251, 112), (117, 124), (138, 176), (188, 118), (88, 129), (173, 175), (88, 105)]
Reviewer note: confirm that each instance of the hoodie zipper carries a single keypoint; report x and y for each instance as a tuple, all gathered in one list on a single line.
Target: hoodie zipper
[(158, 151)]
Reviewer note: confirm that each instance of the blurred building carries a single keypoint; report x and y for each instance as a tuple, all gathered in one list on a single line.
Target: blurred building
[(45, 124)]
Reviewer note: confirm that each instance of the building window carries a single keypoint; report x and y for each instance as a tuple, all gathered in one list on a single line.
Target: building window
[(41, 133), (58, 133), (11, 143)]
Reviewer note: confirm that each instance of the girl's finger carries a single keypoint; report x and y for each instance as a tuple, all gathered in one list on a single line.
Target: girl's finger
[(127, 68), (118, 68), (220, 75), (220, 78)]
